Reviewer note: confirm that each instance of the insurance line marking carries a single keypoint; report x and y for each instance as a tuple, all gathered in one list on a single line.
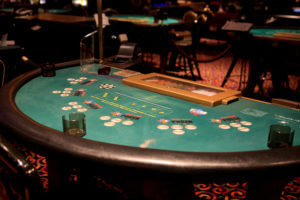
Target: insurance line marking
[(122, 107), (143, 101)]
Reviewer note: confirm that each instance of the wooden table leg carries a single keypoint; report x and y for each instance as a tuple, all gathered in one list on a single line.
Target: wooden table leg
[(163, 62)]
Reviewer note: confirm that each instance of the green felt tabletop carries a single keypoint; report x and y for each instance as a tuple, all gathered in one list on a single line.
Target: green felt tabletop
[(7, 9), (39, 100), (42, 10), (146, 19), (269, 32)]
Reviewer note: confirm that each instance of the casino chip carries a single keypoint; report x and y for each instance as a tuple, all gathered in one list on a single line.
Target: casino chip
[(164, 121), (235, 125), (163, 127), (246, 123), (81, 109), (176, 127), (116, 113), (71, 79), (83, 78), (223, 126), (178, 132), (106, 86), (215, 120), (56, 92), (104, 117), (243, 129), (116, 120), (190, 127), (196, 112), (64, 95), (68, 89), (77, 106), (73, 82), (128, 122), (109, 124), (203, 112), (66, 108), (66, 92), (72, 103)]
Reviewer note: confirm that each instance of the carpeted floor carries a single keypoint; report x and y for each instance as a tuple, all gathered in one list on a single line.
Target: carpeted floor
[(212, 191), (213, 74)]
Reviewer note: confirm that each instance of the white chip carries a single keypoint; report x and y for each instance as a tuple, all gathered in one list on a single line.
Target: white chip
[(66, 108), (104, 117), (71, 79), (235, 125), (81, 109), (176, 127), (106, 86), (68, 89), (77, 106), (223, 126), (116, 120), (78, 80), (73, 82), (56, 92), (203, 112), (128, 122), (163, 127), (64, 95), (72, 103), (246, 123), (190, 127), (66, 92), (243, 129), (109, 124), (83, 78), (178, 132)]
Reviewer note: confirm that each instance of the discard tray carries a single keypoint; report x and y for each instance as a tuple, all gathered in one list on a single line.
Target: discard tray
[(183, 89)]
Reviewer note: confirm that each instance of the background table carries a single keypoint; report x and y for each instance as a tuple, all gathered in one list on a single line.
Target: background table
[(279, 34), (59, 18), (267, 49), (32, 109), (144, 20), (150, 34), (273, 50)]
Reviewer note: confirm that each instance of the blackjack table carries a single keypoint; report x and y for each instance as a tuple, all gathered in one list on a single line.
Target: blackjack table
[(151, 33), (145, 133), (145, 20), (276, 34)]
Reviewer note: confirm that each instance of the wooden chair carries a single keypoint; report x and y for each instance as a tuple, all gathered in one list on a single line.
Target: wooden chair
[(186, 44)]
